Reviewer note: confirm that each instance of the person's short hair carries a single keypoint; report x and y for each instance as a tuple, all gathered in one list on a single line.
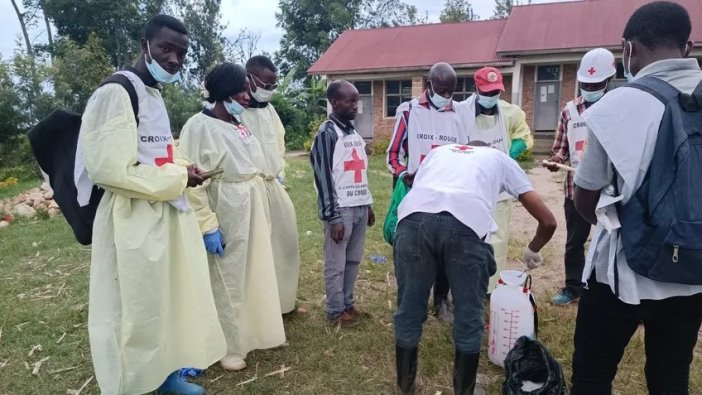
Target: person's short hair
[(659, 24), (223, 81), (333, 89), (260, 62), (158, 22)]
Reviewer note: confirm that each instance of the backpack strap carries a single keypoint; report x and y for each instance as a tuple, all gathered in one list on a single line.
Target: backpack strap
[(660, 89), (129, 87)]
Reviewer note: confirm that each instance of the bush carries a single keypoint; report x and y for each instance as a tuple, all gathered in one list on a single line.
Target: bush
[(312, 129), (378, 146), (294, 120)]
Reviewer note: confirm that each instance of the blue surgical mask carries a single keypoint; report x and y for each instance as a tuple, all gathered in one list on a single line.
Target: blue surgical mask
[(627, 66), (592, 96), (488, 101), (438, 100), (159, 73), (233, 107)]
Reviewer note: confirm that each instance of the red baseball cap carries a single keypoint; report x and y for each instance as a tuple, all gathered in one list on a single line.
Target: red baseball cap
[(489, 79)]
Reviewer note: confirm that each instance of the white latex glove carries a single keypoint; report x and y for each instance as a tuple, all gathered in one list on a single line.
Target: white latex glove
[(532, 259)]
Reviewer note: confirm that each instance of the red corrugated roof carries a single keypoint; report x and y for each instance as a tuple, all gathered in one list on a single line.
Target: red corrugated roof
[(468, 43), (539, 28), (577, 25)]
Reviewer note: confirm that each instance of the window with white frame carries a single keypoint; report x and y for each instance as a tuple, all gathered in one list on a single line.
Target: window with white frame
[(465, 86), (396, 92)]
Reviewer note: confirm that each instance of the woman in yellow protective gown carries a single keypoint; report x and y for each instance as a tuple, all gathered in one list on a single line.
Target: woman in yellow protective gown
[(231, 210)]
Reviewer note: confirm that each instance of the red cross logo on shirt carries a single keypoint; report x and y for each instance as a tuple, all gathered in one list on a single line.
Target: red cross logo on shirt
[(580, 145), (421, 158), (357, 165), (166, 159), (591, 71)]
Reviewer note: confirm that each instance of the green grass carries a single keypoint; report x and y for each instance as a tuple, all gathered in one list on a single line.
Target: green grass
[(43, 295)]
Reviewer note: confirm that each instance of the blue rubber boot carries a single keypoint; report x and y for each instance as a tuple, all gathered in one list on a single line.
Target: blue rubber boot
[(175, 384)]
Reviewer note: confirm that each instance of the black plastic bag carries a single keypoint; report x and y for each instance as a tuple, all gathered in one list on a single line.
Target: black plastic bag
[(530, 361)]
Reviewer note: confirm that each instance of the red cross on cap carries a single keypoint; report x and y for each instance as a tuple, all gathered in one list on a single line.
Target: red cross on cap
[(592, 71), (464, 147)]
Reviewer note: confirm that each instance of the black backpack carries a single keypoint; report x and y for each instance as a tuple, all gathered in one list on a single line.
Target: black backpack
[(662, 222), (54, 140)]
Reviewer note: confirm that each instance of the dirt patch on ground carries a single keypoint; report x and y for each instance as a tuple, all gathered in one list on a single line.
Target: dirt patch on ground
[(549, 278)]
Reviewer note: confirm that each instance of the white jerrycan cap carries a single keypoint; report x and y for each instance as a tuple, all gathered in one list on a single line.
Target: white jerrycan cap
[(515, 278)]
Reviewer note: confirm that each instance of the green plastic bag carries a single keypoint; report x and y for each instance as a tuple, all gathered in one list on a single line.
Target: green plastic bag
[(391, 219)]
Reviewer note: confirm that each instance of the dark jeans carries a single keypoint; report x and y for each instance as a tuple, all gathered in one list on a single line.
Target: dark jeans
[(577, 231), (605, 325), (423, 243)]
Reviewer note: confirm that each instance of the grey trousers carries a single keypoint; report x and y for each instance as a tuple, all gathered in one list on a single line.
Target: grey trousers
[(341, 260)]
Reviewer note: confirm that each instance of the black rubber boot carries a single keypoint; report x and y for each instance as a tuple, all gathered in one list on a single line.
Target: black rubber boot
[(465, 370), (406, 360)]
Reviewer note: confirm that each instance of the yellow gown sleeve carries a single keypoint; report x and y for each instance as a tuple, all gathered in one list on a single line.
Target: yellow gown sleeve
[(280, 132), (109, 138), (197, 197), (517, 126)]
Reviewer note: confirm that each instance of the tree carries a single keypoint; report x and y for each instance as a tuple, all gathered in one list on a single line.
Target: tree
[(457, 11), (244, 46), (77, 71), (504, 7), (384, 13), (23, 20), (311, 26), (206, 32), (118, 24)]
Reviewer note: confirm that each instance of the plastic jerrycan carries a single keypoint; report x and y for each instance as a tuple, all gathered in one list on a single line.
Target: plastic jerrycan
[(512, 314)]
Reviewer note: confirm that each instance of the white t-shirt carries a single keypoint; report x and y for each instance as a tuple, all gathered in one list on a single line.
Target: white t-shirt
[(464, 181), (623, 128)]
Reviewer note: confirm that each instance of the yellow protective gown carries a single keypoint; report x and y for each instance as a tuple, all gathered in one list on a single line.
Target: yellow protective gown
[(243, 280), (517, 129), (265, 124), (151, 305)]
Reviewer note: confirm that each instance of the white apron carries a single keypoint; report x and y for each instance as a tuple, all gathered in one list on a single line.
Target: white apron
[(243, 280), (349, 170), (496, 137), (577, 134), (155, 147), (265, 124), (429, 128)]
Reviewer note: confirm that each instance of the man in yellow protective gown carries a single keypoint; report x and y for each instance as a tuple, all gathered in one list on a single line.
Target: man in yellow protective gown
[(262, 120), (231, 210), (151, 305), (503, 126)]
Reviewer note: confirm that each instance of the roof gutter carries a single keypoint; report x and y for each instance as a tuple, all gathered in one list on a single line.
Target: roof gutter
[(499, 63)]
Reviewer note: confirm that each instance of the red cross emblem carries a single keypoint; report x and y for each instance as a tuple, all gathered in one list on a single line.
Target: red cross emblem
[(464, 147), (356, 165), (421, 158), (166, 159), (591, 71), (580, 145)]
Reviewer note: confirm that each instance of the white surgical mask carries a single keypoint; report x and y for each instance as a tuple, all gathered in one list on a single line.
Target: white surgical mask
[(627, 66), (159, 73), (438, 100), (233, 107), (262, 95), (592, 96), (488, 101)]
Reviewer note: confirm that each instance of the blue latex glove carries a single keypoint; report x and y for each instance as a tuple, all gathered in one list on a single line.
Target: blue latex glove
[(213, 242), (517, 148)]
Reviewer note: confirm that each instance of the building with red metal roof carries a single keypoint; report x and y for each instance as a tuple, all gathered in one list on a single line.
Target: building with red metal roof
[(537, 49)]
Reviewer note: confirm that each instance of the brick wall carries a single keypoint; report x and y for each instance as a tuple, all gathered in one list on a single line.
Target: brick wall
[(382, 127), (507, 94), (568, 81), (528, 93), (417, 85)]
